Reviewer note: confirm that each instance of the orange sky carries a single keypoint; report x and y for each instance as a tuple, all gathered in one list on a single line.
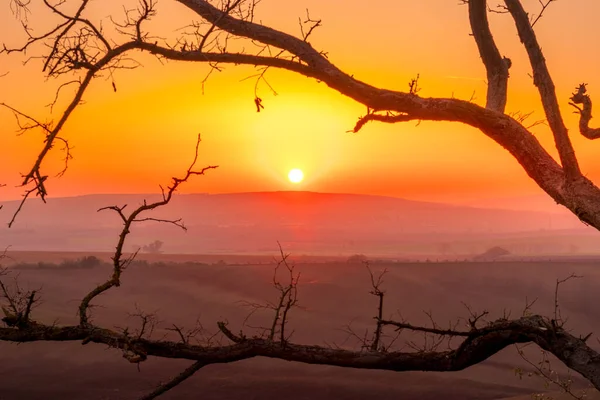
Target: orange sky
[(137, 138)]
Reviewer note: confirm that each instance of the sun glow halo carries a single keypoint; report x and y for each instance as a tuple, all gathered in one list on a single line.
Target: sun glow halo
[(295, 175)]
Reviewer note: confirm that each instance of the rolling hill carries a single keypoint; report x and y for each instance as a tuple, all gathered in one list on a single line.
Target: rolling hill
[(304, 221)]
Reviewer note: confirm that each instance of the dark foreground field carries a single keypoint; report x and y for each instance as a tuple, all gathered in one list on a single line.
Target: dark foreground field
[(332, 295)]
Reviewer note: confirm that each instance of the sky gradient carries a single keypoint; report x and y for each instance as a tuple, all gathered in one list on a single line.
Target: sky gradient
[(137, 138)]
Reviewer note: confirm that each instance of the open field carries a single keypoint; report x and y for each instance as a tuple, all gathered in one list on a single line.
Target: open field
[(332, 295)]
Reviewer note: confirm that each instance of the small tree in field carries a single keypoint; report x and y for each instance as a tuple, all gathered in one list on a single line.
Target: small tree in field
[(79, 45), (153, 248)]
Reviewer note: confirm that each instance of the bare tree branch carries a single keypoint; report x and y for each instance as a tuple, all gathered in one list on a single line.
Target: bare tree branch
[(388, 117), (165, 387), (557, 316), (120, 263), (585, 112), (376, 282), (287, 299), (541, 13), (543, 81), (478, 346), (496, 66)]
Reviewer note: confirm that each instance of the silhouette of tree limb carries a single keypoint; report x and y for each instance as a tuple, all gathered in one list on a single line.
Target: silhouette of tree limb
[(543, 81), (585, 112), (119, 262), (558, 319), (286, 300), (478, 345), (496, 66), (176, 380), (542, 10), (388, 117), (376, 282), (544, 370), (20, 302)]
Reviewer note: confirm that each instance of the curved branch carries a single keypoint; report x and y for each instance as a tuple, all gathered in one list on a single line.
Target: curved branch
[(585, 112), (228, 58), (388, 118), (543, 81), (260, 33), (35, 172), (479, 345)]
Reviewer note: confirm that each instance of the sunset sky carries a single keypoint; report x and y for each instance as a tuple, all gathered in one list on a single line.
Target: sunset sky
[(137, 138)]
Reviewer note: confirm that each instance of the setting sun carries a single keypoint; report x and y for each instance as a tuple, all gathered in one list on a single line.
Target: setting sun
[(296, 175)]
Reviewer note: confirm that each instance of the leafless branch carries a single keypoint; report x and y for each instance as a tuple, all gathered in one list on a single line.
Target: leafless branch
[(544, 369), (311, 23), (376, 282), (496, 66), (543, 81), (557, 316), (287, 299), (119, 262), (19, 302), (477, 346), (585, 111), (176, 380), (388, 117), (544, 6)]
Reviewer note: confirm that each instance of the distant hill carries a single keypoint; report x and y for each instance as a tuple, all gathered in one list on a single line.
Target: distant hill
[(254, 222), (494, 253)]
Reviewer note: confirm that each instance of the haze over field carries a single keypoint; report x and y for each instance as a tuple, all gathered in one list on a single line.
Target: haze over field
[(304, 222), (332, 296)]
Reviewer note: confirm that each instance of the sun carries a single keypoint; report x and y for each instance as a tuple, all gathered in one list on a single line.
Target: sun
[(296, 175)]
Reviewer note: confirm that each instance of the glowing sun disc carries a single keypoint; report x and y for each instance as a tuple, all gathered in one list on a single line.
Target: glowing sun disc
[(296, 175)]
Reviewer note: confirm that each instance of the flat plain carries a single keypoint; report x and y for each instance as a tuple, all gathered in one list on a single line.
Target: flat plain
[(333, 295)]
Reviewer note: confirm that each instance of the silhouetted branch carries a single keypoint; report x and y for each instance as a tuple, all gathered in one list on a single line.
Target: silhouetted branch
[(376, 282), (186, 335), (544, 369), (312, 25), (543, 81), (20, 302), (165, 387), (585, 112), (522, 118), (478, 346), (120, 263), (388, 117), (544, 6), (177, 222), (557, 316), (496, 66), (287, 299)]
